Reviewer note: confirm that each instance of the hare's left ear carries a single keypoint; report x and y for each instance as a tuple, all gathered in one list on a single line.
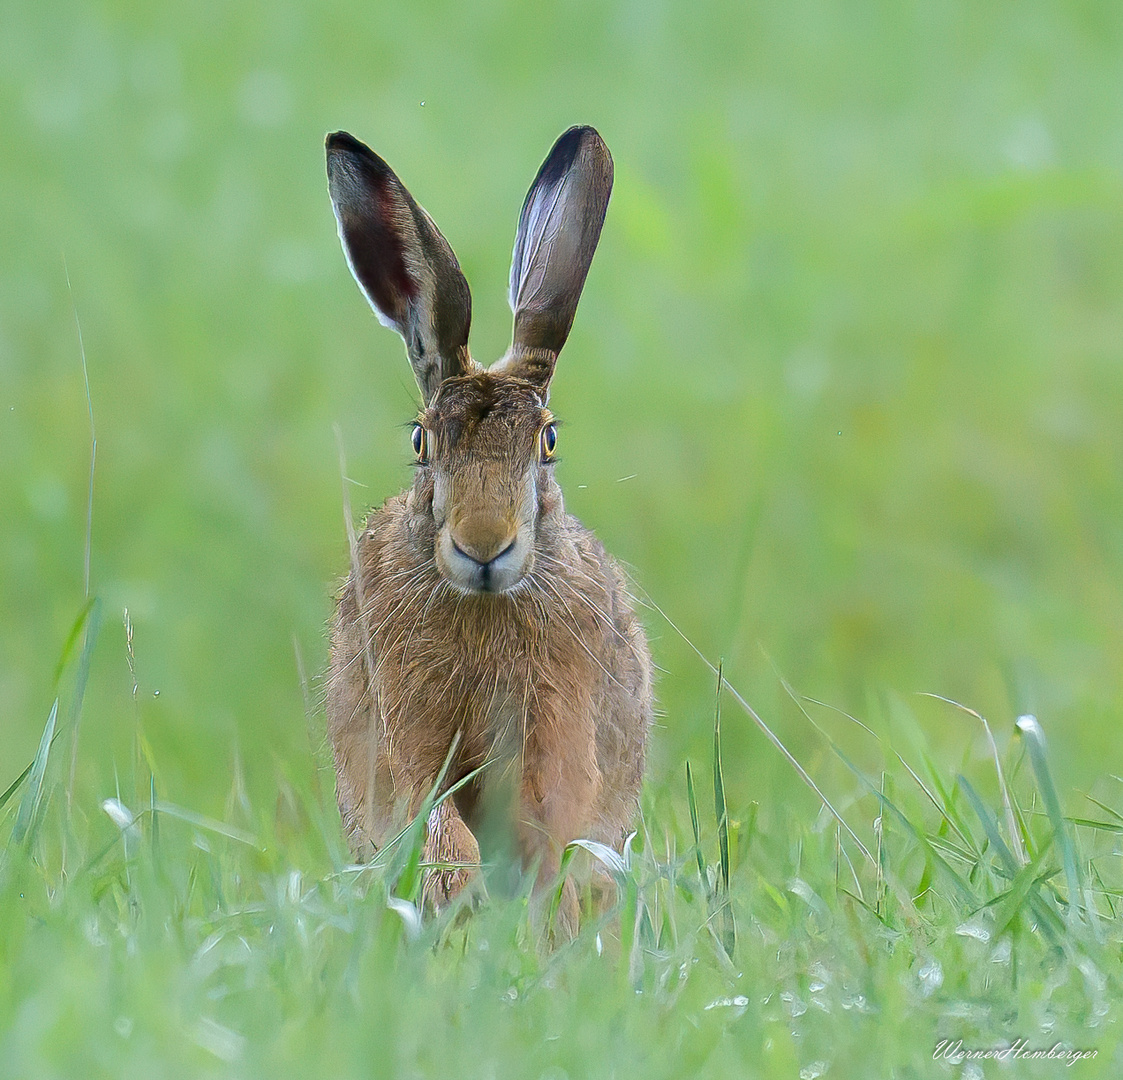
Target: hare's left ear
[(401, 261), (558, 232)]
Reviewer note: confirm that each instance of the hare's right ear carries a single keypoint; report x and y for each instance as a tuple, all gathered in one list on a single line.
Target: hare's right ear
[(558, 232), (401, 261)]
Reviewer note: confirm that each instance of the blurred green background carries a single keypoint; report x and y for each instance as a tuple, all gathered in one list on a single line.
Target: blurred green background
[(844, 390)]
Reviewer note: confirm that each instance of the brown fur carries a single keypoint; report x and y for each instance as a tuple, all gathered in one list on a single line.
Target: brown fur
[(547, 679)]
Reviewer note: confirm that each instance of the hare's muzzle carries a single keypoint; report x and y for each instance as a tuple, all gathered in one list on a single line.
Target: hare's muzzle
[(483, 555)]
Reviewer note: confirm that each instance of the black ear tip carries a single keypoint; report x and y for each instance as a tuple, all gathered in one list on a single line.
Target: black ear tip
[(570, 145), (571, 141), (348, 153), (342, 140), (580, 133)]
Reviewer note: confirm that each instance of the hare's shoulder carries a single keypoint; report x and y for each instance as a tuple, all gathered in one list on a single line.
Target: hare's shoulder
[(387, 548), (394, 537), (587, 553), (597, 573), (382, 522), (616, 635)]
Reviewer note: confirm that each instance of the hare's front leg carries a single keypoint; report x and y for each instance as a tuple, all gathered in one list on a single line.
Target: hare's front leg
[(560, 783), (451, 842), (380, 793), (382, 781)]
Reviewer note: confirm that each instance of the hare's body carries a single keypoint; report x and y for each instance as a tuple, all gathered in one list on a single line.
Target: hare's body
[(478, 613), (552, 680)]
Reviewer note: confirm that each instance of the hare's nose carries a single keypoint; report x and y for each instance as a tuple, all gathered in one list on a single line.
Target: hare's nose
[(483, 541)]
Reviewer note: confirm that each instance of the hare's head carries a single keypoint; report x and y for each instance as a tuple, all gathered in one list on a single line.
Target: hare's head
[(484, 438)]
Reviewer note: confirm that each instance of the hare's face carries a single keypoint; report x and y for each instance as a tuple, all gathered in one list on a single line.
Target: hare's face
[(485, 450), (485, 439)]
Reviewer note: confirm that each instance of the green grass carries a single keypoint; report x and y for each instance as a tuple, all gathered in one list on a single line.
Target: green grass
[(843, 392), (146, 939)]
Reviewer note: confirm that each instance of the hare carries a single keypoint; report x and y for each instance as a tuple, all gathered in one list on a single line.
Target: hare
[(477, 612)]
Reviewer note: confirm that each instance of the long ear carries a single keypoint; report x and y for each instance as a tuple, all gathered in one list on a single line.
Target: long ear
[(558, 232), (401, 261)]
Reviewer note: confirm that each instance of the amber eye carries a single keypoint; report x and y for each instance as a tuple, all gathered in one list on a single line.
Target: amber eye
[(420, 444), (548, 441)]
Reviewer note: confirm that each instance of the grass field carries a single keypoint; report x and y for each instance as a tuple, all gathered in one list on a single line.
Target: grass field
[(844, 393)]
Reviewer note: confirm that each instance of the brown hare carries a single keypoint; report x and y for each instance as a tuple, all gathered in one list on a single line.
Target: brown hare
[(477, 610)]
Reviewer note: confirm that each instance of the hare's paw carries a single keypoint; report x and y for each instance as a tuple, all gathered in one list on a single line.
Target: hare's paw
[(452, 847), (443, 886)]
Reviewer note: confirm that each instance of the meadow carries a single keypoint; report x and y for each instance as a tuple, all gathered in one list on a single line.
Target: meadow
[(843, 393)]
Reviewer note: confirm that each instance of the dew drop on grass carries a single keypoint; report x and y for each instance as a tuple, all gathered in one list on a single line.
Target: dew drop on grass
[(973, 930), (931, 977), (738, 1002), (119, 814), (795, 1006), (1002, 952), (814, 1070)]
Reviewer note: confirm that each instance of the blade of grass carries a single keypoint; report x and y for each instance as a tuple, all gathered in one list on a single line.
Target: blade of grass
[(381, 858), (1101, 826), (965, 890), (990, 826), (728, 925), (922, 838), (72, 638), (719, 789), (408, 883), (628, 969), (1103, 890), (93, 628), (14, 785), (200, 821), (1046, 917), (881, 851), (950, 808), (865, 727), (608, 857), (1026, 879), (559, 887), (408, 913), (23, 832), (944, 844), (768, 733), (152, 805), (317, 744), (1011, 824), (1034, 737), (1103, 806), (692, 802), (863, 904)]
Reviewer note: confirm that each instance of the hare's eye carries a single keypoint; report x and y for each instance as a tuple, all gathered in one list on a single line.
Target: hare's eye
[(549, 441), (420, 444)]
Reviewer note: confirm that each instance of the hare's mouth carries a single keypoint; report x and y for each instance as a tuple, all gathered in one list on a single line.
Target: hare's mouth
[(495, 567)]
